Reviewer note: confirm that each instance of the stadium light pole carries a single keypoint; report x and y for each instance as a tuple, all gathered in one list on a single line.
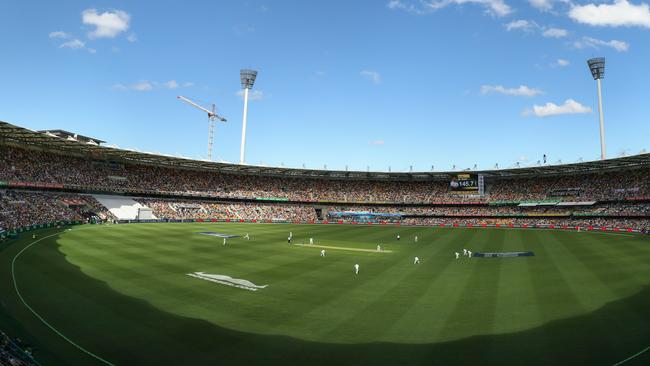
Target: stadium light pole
[(247, 78), (597, 68)]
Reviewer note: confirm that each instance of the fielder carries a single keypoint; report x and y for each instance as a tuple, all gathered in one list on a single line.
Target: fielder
[(378, 248), (322, 252), (416, 238), (247, 237), (469, 253), (416, 260), (356, 269), (464, 252), (224, 241), (311, 241), (457, 255)]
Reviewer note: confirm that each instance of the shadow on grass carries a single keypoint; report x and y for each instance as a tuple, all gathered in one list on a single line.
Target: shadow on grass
[(128, 331)]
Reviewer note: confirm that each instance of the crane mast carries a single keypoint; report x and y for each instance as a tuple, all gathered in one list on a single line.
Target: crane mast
[(212, 117)]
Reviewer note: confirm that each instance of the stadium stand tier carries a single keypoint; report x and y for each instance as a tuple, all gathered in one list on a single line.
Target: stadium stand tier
[(46, 178)]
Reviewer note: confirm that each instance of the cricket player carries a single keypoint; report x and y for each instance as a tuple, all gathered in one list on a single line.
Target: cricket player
[(311, 241), (378, 248), (224, 241), (397, 237), (469, 253), (416, 260), (464, 252), (247, 237), (322, 252), (356, 269), (457, 255), (416, 238)]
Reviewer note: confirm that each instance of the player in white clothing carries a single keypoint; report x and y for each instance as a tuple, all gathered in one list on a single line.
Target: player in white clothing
[(311, 241), (322, 252), (247, 237), (416, 260), (224, 241), (378, 248), (469, 253), (356, 268), (416, 238), (464, 251), (457, 255)]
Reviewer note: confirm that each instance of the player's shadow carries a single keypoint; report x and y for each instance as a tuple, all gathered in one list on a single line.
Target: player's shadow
[(128, 331)]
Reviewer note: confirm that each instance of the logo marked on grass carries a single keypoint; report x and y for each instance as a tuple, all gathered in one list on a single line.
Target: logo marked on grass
[(218, 235), (227, 280)]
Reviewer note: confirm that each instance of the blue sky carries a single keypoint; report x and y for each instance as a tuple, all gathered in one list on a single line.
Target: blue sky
[(357, 83)]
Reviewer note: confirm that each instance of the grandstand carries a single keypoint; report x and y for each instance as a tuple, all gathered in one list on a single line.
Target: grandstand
[(611, 193)]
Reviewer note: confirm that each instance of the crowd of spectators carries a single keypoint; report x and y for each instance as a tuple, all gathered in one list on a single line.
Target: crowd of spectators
[(14, 352), (196, 209), (586, 222), (27, 208), (605, 209), (620, 194), (21, 165)]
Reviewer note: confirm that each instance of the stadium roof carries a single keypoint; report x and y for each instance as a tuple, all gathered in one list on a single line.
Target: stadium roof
[(10, 133)]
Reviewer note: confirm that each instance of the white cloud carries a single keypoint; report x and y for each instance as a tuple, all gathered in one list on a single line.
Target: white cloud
[(252, 94), (570, 106), (621, 13), (132, 37), (555, 33), (399, 5), (521, 24), (544, 5), (107, 24), (59, 34), (560, 62), (75, 44), (142, 86), (521, 91), (171, 84), (493, 7), (378, 142), (145, 85), (395, 4), (371, 75), (588, 42)]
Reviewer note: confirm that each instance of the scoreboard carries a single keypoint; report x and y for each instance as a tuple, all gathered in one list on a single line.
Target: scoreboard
[(466, 182)]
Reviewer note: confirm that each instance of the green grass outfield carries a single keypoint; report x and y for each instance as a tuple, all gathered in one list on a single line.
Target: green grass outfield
[(122, 293)]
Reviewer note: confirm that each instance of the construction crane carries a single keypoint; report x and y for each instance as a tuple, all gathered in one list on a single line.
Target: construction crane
[(212, 116)]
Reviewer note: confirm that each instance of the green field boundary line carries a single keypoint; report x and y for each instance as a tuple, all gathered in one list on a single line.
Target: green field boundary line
[(37, 315), (632, 357), (342, 248)]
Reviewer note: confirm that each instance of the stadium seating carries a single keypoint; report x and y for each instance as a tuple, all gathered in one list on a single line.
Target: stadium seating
[(37, 185)]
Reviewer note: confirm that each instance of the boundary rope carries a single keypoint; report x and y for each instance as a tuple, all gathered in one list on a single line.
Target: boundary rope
[(37, 315)]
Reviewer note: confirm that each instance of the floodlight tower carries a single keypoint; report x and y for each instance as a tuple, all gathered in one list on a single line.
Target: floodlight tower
[(247, 80), (597, 68)]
